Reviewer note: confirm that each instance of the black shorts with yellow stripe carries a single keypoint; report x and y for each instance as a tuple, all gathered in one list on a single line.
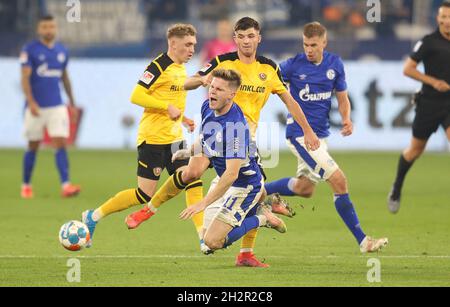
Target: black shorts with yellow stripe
[(153, 159)]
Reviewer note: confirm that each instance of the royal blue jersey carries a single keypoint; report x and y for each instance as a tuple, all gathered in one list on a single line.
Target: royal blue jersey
[(47, 65), (312, 86), (228, 137)]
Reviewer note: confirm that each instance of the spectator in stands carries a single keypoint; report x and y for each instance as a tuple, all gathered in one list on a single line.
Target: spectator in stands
[(223, 43)]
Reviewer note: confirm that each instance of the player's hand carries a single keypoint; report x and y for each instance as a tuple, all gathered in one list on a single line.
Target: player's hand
[(74, 113), (441, 86), (174, 112), (192, 210), (312, 142), (34, 108), (181, 154), (206, 80), (189, 124), (347, 127)]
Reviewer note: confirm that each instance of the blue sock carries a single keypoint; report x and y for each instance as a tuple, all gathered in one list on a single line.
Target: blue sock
[(348, 214), (29, 159), (280, 186), (62, 162), (236, 233)]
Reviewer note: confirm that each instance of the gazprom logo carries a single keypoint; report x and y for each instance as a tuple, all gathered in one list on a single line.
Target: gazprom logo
[(305, 95), (43, 71)]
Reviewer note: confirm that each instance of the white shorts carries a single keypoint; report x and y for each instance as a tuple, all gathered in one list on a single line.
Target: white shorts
[(55, 119), (315, 165), (233, 206)]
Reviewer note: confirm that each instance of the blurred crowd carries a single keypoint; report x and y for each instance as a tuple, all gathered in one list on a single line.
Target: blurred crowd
[(141, 20)]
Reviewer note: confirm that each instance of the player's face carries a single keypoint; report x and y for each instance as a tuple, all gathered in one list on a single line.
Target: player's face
[(220, 94), (47, 30), (443, 20), (314, 47), (183, 47), (247, 41)]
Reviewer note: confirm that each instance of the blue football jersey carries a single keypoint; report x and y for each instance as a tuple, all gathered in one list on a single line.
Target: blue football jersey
[(47, 66), (312, 86), (228, 137)]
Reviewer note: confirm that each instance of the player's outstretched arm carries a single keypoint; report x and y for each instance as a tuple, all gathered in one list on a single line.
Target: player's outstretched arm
[(345, 109), (311, 140), (226, 180), (196, 81)]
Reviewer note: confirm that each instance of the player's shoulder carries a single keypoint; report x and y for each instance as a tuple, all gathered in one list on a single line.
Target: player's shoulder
[(236, 113), (266, 61), (229, 56), (431, 36), (332, 57), (31, 45), (161, 63), (61, 47)]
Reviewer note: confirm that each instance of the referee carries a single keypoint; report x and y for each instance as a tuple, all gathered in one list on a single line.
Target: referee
[(432, 102)]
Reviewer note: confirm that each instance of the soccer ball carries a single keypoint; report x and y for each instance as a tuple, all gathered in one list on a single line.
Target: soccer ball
[(74, 235)]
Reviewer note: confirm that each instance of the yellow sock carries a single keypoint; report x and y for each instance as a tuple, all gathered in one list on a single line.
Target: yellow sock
[(249, 240), (194, 194), (171, 188), (123, 200)]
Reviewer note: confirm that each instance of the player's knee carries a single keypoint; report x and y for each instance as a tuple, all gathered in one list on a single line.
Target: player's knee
[(190, 175), (214, 243), (338, 182)]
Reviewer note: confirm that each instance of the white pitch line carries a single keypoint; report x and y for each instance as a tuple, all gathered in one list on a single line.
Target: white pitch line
[(219, 256)]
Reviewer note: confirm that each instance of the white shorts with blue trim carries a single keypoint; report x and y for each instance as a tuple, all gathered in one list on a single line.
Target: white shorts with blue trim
[(55, 119), (315, 165), (234, 205)]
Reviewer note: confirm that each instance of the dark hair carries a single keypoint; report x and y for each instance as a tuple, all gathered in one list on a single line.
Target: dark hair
[(313, 29), (230, 75), (445, 3), (246, 23), (46, 18)]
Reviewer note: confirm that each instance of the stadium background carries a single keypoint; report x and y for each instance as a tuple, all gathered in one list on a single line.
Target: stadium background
[(111, 46)]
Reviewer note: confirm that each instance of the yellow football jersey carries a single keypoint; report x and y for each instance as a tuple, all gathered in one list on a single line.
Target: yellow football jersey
[(259, 80), (163, 81)]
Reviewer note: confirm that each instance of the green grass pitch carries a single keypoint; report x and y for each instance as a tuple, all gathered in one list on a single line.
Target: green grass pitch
[(317, 250)]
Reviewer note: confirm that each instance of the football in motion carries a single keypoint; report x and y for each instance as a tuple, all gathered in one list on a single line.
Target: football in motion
[(74, 235)]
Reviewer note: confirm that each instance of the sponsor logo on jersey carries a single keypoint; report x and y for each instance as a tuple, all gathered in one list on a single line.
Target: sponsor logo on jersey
[(331, 74), (252, 88), (41, 57), (43, 71), (147, 77), (176, 88), (306, 96)]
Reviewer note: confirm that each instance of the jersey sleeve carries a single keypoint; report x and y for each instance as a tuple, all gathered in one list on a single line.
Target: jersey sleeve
[(420, 51), (150, 76), (286, 69), (205, 107), (340, 84), (25, 58), (277, 83), (213, 64)]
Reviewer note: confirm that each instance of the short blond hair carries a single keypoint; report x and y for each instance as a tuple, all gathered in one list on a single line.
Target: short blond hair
[(230, 75), (181, 30), (313, 29)]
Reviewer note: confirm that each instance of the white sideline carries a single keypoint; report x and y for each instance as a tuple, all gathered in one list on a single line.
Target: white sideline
[(75, 255)]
